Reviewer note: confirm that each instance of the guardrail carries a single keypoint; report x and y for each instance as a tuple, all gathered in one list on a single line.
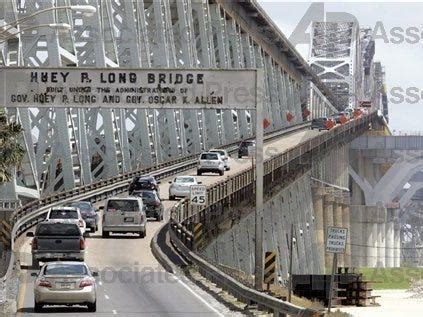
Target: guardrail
[(184, 218)]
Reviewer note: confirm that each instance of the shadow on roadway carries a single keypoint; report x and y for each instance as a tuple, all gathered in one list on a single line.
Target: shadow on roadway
[(55, 309)]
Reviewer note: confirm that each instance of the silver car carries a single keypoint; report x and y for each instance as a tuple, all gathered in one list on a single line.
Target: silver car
[(65, 283), (180, 186), (124, 215), (225, 157)]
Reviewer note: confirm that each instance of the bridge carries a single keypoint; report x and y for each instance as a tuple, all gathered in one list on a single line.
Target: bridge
[(82, 153)]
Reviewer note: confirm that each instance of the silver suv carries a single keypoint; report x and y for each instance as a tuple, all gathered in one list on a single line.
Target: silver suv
[(211, 162), (124, 215)]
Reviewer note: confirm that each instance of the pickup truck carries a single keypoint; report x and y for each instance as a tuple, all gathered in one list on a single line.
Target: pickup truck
[(56, 241)]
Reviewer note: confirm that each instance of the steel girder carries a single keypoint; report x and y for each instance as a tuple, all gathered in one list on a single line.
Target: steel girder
[(335, 56), (71, 147)]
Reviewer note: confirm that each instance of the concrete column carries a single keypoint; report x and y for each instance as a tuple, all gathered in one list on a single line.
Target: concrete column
[(370, 239), (397, 243), (318, 192), (358, 254), (337, 220), (381, 241), (346, 224), (389, 238), (328, 222)]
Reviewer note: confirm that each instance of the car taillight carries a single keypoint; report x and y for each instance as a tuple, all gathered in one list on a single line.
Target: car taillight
[(44, 283), (157, 204), (81, 223), (81, 243), (85, 283), (104, 218), (34, 245), (142, 218)]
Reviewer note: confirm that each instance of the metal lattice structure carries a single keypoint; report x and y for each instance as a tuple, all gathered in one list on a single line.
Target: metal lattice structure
[(335, 56), (69, 147)]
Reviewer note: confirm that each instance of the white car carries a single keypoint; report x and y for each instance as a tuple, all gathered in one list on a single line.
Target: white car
[(210, 162), (180, 186), (225, 157), (67, 214)]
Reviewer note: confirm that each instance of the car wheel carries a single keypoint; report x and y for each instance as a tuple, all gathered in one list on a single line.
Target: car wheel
[(199, 173), (38, 307), (239, 156), (228, 168), (221, 173), (105, 234), (171, 197), (143, 234), (92, 307)]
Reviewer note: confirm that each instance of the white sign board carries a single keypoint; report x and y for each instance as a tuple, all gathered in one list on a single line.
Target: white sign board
[(129, 88), (336, 239), (198, 195)]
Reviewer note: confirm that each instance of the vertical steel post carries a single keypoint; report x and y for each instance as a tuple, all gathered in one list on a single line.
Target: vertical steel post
[(291, 253), (258, 278)]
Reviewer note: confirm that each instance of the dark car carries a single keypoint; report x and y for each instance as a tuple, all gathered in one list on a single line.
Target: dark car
[(319, 123), (143, 183), (243, 148), (153, 205), (88, 213)]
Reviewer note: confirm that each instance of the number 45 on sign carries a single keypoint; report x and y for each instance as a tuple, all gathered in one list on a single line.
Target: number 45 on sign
[(198, 195)]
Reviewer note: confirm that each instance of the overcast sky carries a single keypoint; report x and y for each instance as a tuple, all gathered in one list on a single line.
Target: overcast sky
[(403, 61)]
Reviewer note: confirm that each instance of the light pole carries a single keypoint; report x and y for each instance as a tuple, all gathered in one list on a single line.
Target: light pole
[(87, 10), (57, 26)]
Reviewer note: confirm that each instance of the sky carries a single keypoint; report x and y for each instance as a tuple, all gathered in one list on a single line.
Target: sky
[(399, 47)]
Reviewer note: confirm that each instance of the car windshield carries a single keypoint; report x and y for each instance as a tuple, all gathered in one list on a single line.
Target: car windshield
[(65, 269), (83, 206), (184, 180), (222, 153), (122, 204), (248, 143), (63, 214), (209, 156), (148, 196), (58, 229), (145, 180)]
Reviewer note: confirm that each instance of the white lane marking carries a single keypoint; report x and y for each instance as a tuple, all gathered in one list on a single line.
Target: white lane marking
[(198, 296), (107, 297), (114, 312)]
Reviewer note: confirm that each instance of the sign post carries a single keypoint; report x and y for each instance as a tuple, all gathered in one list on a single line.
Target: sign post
[(336, 239)]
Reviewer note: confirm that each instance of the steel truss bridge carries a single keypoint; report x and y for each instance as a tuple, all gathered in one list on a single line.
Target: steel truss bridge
[(74, 147)]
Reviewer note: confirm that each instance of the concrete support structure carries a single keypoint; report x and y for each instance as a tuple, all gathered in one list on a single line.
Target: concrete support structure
[(318, 194), (337, 220), (390, 238), (346, 224), (328, 203), (397, 244)]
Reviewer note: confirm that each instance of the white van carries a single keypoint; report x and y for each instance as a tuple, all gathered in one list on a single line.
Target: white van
[(124, 215)]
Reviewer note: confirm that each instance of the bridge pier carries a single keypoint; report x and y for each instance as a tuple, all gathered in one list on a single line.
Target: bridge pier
[(346, 224), (318, 194), (390, 238), (328, 222)]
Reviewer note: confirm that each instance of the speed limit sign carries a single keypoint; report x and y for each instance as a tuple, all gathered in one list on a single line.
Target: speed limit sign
[(198, 195)]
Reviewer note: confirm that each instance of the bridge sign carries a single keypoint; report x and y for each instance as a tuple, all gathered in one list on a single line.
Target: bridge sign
[(129, 88), (336, 239), (198, 195)]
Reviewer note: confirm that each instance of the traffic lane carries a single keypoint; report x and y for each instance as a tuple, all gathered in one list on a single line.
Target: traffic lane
[(128, 292), (237, 165)]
